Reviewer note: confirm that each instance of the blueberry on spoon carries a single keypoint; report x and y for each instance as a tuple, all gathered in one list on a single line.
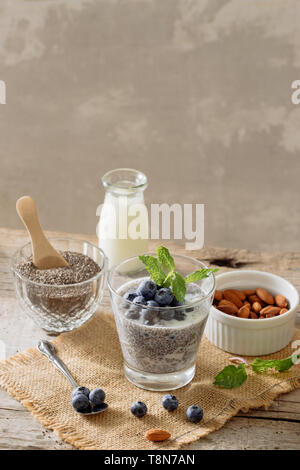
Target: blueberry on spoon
[(81, 396)]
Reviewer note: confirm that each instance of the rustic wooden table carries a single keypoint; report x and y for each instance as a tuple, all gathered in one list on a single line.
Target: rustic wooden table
[(275, 428)]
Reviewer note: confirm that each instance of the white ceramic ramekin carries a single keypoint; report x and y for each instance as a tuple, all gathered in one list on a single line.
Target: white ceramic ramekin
[(248, 337)]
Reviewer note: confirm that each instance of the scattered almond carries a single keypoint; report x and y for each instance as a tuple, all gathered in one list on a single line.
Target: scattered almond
[(157, 435), (265, 296), (280, 300)]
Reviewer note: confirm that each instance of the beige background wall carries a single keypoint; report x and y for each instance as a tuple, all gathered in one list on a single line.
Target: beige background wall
[(196, 93)]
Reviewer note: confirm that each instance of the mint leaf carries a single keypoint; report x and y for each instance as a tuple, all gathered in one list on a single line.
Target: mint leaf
[(167, 281), (199, 274), (165, 258), (178, 286), (260, 365), (154, 268), (231, 376)]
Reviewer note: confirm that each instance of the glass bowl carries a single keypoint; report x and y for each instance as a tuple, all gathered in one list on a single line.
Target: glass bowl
[(59, 308), (159, 354)]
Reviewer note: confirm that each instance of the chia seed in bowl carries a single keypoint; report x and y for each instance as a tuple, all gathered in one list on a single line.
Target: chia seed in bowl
[(61, 299)]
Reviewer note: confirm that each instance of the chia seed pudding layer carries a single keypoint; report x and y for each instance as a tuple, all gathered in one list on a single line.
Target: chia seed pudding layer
[(58, 293), (167, 346)]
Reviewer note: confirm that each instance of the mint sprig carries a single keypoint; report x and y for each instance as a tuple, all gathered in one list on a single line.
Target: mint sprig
[(199, 274), (165, 258), (154, 268), (232, 376), (281, 365), (173, 279)]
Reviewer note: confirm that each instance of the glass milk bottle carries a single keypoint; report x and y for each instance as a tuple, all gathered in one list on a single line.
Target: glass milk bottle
[(123, 225)]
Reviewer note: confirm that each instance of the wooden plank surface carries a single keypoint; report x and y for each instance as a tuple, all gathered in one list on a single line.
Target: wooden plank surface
[(275, 428)]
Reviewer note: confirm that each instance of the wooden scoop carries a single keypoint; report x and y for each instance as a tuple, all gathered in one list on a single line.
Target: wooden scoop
[(44, 255)]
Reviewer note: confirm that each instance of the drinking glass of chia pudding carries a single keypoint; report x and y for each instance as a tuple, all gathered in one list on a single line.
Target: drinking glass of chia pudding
[(159, 336)]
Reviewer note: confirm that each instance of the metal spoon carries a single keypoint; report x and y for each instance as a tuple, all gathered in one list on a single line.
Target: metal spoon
[(48, 349)]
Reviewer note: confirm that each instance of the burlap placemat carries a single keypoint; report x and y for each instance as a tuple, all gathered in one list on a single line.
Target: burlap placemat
[(94, 357)]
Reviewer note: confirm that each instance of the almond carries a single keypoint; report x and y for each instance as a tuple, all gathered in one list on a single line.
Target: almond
[(270, 310), (253, 315), (227, 309), (244, 311), (281, 301), (247, 303), (239, 293), (233, 307), (256, 307), (254, 298), (218, 295), (265, 296), (270, 315), (249, 292), (230, 295), (157, 435), (283, 310)]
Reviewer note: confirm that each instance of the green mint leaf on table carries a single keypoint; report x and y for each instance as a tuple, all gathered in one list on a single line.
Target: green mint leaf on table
[(178, 286), (260, 365), (231, 376), (165, 258), (154, 268), (199, 274)]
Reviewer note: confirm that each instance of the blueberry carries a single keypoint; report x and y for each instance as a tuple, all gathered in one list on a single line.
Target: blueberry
[(148, 314), (81, 391), (164, 296), (86, 411), (194, 413), (152, 303), (180, 315), (176, 303), (169, 402), (147, 289), (133, 313), (80, 402), (130, 295), (167, 314), (189, 309), (138, 409), (140, 300), (97, 396)]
